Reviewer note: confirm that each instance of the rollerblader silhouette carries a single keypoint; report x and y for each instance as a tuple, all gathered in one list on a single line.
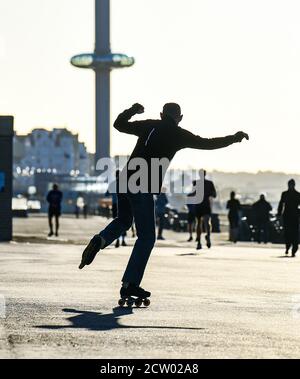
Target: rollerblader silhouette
[(156, 139), (288, 208)]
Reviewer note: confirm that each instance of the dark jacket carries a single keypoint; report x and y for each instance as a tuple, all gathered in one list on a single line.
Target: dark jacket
[(162, 139), (54, 199), (289, 205), (262, 211), (204, 208)]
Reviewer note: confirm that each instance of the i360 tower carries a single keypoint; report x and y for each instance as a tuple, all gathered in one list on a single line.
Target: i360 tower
[(102, 61)]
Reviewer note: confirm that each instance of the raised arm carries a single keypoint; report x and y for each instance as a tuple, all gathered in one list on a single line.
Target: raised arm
[(190, 140), (122, 123)]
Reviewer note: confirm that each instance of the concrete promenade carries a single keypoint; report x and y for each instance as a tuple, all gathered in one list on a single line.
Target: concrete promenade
[(228, 302)]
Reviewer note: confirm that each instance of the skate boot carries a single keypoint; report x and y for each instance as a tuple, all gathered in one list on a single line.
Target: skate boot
[(96, 244), (134, 295)]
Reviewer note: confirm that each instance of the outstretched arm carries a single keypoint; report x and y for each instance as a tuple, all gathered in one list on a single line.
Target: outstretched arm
[(122, 123), (190, 140)]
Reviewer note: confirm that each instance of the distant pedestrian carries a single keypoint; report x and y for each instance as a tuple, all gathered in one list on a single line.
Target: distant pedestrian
[(261, 210), (203, 212), (54, 198), (85, 210), (191, 214), (234, 206), (77, 211), (160, 208), (289, 209)]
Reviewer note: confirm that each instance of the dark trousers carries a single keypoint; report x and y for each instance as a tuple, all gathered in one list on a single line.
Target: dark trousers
[(56, 215), (291, 234), (139, 206), (262, 229), (161, 223)]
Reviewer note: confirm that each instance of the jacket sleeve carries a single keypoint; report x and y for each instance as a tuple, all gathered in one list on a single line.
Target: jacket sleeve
[(213, 191), (280, 206), (123, 125), (190, 140)]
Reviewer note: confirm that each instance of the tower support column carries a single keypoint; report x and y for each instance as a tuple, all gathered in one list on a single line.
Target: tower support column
[(102, 114)]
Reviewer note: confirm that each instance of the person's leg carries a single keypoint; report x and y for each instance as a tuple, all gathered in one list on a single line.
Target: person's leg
[(123, 239), (133, 230), (121, 223), (112, 232), (143, 211), (199, 231), (160, 225), (190, 230), (206, 221), (287, 237), (295, 238), (199, 228), (50, 224), (258, 232), (235, 230), (266, 232), (56, 224)]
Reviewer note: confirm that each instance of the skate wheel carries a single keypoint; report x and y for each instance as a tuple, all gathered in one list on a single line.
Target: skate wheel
[(129, 303), (121, 303), (146, 302), (138, 303)]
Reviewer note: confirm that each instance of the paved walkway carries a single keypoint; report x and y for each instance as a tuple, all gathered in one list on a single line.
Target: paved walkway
[(228, 302)]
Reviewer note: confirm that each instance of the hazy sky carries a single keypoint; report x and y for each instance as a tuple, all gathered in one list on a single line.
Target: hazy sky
[(231, 64)]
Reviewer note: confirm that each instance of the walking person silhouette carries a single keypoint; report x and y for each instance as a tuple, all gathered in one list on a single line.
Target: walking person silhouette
[(54, 198), (288, 208), (203, 212), (157, 139), (233, 206)]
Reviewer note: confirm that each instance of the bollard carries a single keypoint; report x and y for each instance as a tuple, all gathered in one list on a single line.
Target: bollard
[(6, 170)]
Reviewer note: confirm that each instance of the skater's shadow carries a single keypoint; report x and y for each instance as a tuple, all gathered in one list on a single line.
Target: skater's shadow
[(97, 321), (285, 256)]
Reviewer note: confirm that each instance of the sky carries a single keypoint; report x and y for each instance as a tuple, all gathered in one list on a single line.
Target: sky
[(232, 65)]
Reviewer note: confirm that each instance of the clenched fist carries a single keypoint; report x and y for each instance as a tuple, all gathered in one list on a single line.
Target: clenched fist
[(138, 108), (239, 136)]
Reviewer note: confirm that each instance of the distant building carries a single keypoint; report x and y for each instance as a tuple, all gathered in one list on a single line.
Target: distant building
[(57, 151)]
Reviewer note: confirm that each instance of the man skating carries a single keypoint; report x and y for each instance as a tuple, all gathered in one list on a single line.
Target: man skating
[(157, 139)]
